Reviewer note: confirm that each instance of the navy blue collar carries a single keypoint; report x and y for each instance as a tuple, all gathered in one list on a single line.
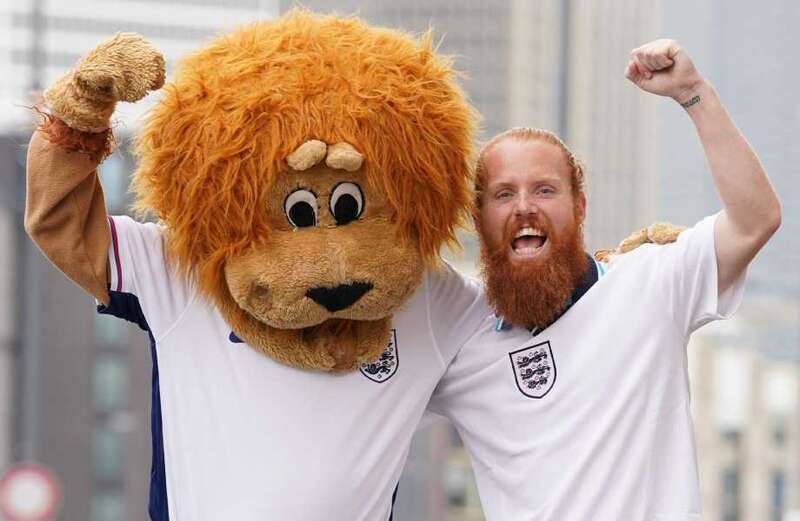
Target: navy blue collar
[(587, 281)]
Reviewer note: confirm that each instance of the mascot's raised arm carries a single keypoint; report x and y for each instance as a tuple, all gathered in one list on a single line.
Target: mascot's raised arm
[(304, 173)]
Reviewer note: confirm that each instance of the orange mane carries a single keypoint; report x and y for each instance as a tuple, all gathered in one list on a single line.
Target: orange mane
[(214, 145)]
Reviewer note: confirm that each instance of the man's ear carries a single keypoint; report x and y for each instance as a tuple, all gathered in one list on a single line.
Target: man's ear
[(580, 207)]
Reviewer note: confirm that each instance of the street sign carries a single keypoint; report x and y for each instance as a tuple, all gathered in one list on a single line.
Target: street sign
[(29, 492)]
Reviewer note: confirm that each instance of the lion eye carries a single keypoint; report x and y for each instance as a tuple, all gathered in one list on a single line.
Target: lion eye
[(301, 208), (347, 202)]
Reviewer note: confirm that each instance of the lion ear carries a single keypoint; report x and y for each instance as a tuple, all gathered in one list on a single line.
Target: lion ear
[(656, 233), (307, 155), (343, 156)]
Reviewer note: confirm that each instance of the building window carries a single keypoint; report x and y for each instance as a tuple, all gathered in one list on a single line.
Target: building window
[(109, 331), (779, 434), (107, 455), (732, 436), (108, 506), (110, 382), (730, 494), (778, 495), (456, 481), (114, 180)]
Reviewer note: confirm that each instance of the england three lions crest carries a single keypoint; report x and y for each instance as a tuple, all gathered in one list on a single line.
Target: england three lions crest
[(386, 365), (534, 369)]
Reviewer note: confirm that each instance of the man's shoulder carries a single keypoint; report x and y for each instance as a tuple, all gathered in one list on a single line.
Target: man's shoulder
[(653, 265), (641, 256)]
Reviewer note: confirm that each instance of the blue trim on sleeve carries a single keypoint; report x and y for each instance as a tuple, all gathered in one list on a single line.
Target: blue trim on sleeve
[(157, 506), (394, 498), (127, 307)]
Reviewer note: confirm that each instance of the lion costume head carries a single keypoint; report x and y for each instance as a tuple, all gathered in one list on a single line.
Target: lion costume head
[(308, 170)]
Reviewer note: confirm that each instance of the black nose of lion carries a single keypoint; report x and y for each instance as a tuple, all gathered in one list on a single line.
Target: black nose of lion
[(340, 297)]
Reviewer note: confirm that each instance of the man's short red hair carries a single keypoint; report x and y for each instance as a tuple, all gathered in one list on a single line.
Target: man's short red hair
[(529, 134)]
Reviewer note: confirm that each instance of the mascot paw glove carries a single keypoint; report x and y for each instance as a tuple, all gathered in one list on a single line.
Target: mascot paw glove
[(656, 233), (124, 68)]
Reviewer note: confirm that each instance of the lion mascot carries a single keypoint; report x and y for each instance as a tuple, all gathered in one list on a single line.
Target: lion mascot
[(303, 174)]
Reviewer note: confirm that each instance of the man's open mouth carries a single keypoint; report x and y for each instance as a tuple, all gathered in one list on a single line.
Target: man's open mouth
[(528, 241)]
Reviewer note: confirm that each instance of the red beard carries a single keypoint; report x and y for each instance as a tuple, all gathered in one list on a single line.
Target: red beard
[(534, 293)]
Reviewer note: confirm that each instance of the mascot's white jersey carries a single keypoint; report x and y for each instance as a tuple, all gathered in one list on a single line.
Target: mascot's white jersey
[(588, 420), (246, 438)]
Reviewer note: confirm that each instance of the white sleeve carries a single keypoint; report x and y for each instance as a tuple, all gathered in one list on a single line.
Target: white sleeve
[(688, 269), (453, 397), (141, 276), (456, 307)]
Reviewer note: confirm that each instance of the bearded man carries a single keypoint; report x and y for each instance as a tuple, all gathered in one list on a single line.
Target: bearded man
[(573, 397), (523, 286)]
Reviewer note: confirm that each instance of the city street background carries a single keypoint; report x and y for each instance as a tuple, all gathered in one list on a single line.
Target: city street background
[(75, 387)]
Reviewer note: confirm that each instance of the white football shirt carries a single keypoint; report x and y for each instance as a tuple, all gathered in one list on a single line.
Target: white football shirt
[(238, 436), (589, 418)]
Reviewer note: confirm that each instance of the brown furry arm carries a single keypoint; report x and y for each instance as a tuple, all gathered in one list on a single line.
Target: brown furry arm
[(65, 212)]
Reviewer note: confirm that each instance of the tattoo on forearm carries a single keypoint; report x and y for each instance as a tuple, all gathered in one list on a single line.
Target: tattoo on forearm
[(694, 100)]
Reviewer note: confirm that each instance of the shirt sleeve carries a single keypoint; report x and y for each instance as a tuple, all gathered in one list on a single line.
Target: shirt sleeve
[(456, 307), (688, 271), (144, 287)]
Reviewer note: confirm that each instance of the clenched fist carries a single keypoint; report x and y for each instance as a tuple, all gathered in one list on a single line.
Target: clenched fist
[(663, 67), (123, 68)]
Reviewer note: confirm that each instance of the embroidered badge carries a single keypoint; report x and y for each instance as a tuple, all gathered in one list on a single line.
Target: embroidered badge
[(386, 365), (534, 369)]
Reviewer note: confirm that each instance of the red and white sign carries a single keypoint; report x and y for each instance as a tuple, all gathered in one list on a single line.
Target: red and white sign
[(29, 492)]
